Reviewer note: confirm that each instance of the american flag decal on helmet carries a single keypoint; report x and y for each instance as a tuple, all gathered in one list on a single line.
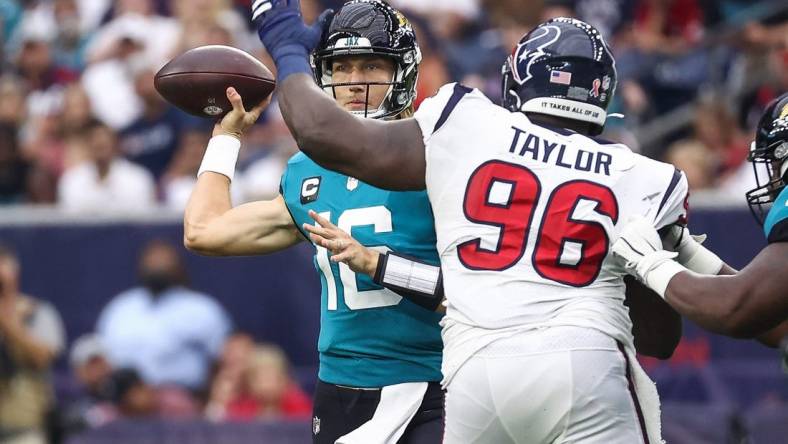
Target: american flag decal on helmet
[(561, 77)]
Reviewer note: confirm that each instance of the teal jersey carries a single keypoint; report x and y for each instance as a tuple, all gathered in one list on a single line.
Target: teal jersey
[(776, 224), (369, 336)]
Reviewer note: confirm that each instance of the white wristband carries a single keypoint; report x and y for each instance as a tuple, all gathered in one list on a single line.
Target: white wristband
[(659, 277), (411, 275), (702, 261), (221, 156)]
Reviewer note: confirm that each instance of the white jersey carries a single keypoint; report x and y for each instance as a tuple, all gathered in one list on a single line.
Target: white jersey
[(525, 217)]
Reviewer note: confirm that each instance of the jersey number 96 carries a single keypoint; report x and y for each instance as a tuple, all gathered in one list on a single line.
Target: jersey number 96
[(567, 250)]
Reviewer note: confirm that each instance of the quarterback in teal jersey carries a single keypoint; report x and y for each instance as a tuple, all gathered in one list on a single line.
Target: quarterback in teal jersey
[(752, 302), (380, 354)]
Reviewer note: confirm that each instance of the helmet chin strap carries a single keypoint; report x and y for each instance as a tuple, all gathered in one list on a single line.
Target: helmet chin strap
[(784, 170)]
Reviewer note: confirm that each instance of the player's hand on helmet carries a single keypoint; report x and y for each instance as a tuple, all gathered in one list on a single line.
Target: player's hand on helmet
[(639, 248), (342, 246), (237, 121), (282, 29)]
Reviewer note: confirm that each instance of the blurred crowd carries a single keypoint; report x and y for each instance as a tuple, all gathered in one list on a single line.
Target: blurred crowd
[(160, 350), (82, 127)]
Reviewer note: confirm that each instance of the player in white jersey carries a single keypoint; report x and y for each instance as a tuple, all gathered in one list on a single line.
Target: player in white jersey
[(538, 345), (525, 215)]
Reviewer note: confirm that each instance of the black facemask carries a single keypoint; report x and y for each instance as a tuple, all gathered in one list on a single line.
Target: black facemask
[(157, 280)]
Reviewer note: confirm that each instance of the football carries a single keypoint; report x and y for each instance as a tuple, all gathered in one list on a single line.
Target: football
[(196, 81)]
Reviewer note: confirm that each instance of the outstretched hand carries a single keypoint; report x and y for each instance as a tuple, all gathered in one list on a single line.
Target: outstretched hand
[(639, 247), (285, 35), (239, 119), (342, 246)]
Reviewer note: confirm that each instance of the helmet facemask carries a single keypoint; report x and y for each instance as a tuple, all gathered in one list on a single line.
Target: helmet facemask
[(770, 167), (401, 87), (769, 155), (371, 28)]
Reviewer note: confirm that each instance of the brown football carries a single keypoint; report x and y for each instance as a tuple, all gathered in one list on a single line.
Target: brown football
[(197, 80)]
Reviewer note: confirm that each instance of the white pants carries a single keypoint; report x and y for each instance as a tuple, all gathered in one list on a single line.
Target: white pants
[(536, 388)]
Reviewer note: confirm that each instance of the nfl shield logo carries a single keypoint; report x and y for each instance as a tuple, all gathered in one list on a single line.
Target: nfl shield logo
[(352, 183), (315, 425)]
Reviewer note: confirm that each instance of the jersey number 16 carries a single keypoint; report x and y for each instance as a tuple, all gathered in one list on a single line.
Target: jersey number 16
[(379, 217)]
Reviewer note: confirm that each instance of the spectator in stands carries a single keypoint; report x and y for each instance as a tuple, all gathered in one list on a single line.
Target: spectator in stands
[(76, 113), (178, 182), (767, 36), (166, 331), (716, 128), (504, 13), (268, 390), (151, 139), (773, 82), (31, 337), (695, 160), (35, 64), (607, 16), (12, 100), (71, 41), (43, 140), (14, 172), (20, 180), (157, 34), (89, 406), (447, 17), (226, 383), (212, 22), (131, 396), (659, 66), (76, 116), (88, 359), (558, 8), (432, 70), (271, 146), (136, 37), (107, 182), (108, 82)]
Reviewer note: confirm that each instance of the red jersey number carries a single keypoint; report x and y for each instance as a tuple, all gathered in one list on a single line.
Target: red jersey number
[(557, 231)]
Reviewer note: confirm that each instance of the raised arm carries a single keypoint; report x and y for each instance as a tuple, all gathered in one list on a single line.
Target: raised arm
[(211, 225), (388, 154)]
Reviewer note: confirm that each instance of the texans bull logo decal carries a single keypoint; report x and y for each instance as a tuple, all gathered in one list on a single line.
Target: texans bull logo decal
[(523, 58)]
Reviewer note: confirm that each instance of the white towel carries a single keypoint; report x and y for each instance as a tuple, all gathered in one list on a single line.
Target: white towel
[(646, 392), (398, 405)]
